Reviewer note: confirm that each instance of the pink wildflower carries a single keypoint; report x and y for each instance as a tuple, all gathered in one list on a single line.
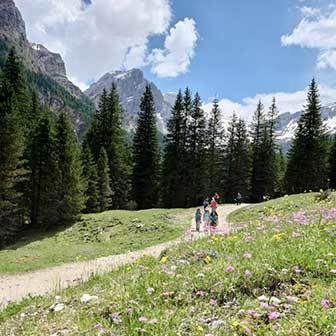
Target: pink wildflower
[(325, 304), (150, 290), (273, 315), (333, 271), (143, 319), (248, 273), (229, 269), (213, 302), (296, 234), (247, 255)]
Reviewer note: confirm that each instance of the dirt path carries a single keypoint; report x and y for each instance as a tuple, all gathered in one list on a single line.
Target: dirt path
[(16, 287)]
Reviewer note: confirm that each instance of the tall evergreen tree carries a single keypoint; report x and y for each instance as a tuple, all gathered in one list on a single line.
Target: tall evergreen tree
[(44, 175), (270, 152), (106, 132), (259, 137), (215, 138), (69, 184), (197, 149), (172, 188), (90, 179), (146, 170), (104, 188), (236, 161), (11, 149), (307, 165)]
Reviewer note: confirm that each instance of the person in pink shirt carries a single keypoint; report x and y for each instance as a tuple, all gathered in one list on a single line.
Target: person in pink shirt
[(213, 204)]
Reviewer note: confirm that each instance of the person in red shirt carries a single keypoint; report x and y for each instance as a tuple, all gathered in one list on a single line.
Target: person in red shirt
[(213, 204)]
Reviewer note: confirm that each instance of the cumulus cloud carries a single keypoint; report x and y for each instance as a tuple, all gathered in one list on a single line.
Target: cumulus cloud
[(106, 35), (317, 31), (286, 101), (178, 50)]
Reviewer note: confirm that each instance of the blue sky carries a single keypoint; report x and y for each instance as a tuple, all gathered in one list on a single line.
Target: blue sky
[(239, 51), (236, 50)]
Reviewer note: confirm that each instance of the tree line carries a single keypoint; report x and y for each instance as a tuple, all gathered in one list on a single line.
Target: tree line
[(48, 178)]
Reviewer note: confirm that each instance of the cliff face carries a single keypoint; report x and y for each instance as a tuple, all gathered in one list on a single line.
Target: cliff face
[(45, 69), (131, 85)]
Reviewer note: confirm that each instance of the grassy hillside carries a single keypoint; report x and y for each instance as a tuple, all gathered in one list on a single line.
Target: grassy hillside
[(96, 235), (274, 275)]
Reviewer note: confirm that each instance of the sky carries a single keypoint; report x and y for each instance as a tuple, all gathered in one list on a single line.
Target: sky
[(238, 51)]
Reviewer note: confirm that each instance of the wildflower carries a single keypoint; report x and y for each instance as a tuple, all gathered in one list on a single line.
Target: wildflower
[(296, 234), (229, 269), (153, 321), (208, 259), (248, 273), (248, 238), (200, 275), (150, 290), (213, 302), (273, 315), (200, 328), (325, 304), (200, 293), (333, 271), (247, 255), (143, 319), (296, 269), (163, 260)]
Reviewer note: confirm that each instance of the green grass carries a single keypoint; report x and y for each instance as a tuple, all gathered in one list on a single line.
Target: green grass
[(272, 276), (96, 235)]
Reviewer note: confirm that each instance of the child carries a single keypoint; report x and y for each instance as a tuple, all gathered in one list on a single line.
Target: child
[(198, 218), (206, 216), (213, 204)]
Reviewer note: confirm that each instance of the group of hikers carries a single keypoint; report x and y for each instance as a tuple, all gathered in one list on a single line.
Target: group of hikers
[(210, 216)]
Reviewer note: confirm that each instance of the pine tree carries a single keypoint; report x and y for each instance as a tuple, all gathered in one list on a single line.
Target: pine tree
[(236, 161), (229, 156), (307, 158), (11, 149), (172, 188), (197, 149), (259, 138), (106, 132), (146, 171), (44, 174), (215, 137), (70, 185), (104, 189), (90, 179)]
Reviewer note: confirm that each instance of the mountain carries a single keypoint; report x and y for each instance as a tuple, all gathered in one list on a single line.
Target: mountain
[(45, 71), (131, 85), (287, 124)]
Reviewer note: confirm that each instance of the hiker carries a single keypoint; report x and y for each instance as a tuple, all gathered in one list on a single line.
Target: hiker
[(198, 219), (213, 218), (206, 216), (216, 197), (205, 203), (213, 204), (239, 198)]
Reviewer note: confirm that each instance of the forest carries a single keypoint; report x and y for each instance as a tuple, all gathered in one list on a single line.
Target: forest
[(48, 177)]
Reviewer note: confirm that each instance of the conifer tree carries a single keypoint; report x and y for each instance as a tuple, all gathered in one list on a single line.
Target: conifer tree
[(307, 158), (11, 149), (44, 174), (106, 132), (70, 185), (197, 149), (215, 138), (172, 188), (90, 179), (146, 170), (259, 137), (104, 188), (236, 161)]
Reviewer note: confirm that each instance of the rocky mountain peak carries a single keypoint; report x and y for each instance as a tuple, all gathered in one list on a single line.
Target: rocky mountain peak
[(131, 86), (12, 26)]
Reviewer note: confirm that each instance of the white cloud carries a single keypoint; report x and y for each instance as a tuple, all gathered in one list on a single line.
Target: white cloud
[(286, 101), (109, 35), (310, 11), (178, 50), (316, 31)]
